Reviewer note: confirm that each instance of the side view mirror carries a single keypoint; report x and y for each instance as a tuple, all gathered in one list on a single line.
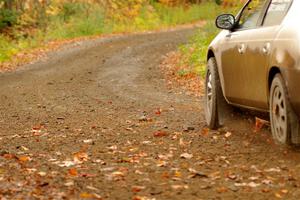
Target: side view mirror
[(225, 21)]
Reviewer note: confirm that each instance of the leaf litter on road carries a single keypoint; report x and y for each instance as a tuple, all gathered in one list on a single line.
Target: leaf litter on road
[(141, 156)]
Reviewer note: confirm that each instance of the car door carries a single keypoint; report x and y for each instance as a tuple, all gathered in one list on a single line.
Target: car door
[(253, 88), (235, 51), (258, 50)]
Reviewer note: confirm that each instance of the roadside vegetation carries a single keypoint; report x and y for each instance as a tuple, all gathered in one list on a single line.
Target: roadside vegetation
[(193, 54), (29, 24), (188, 63)]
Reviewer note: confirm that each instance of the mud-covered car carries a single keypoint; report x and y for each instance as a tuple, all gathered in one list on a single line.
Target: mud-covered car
[(254, 63)]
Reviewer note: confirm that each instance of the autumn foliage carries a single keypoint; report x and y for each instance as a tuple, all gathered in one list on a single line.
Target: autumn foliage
[(37, 12), (29, 24)]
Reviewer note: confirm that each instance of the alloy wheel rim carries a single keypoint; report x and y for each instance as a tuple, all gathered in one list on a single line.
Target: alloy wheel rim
[(279, 115)]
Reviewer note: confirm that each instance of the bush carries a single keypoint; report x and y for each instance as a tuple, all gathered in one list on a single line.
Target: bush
[(92, 23), (44, 21), (70, 9), (7, 48), (219, 2), (7, 18)]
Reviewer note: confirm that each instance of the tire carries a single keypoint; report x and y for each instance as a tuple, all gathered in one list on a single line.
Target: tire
[(214, 102), (284, 121)]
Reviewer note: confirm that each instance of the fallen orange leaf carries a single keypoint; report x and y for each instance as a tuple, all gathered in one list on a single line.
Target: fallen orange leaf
[(158, 111), (228, 134), (222, 190), (265, 190), (259, 124), (284, 191), (177, 174), (9, 156), (24, 158), (86, 195), (137, 189), (165, 175), (73, 172), (37, 127), (80, 157), (137, 198), (160, 134), (278, 195), (205, 132)]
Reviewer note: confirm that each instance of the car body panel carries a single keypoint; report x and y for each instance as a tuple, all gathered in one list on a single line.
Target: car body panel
[(287, 54), (245, 78), (253, 62)]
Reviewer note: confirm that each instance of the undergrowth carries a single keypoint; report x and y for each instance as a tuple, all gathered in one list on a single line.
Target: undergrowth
[(194, 53), (77, 21)]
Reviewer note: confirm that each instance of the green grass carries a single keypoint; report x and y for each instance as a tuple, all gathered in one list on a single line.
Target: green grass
[(180, 15), (194, 53), (10, 47), (77, 26), (7, 48), (95, 22)]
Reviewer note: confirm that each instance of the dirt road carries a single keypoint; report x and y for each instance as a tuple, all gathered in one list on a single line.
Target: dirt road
[(96, 120)]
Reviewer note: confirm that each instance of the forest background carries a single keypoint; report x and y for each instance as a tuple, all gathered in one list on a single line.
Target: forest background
[(30, 24)]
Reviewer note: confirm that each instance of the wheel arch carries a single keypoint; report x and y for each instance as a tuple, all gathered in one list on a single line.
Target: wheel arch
[(210, 54), (272, 73), (294, 119)]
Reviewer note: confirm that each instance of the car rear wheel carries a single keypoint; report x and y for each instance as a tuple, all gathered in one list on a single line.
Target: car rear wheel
[(214, 100), (284, 122)]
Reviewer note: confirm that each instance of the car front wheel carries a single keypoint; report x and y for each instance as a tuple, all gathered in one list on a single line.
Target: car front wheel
[(214, 100)]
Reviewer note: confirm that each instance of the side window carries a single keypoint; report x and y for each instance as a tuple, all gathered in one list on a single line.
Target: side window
[(276, 12), (251, 14)]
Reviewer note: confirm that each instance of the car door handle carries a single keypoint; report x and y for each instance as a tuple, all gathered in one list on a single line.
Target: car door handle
[(241, 48), (266, 48)]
